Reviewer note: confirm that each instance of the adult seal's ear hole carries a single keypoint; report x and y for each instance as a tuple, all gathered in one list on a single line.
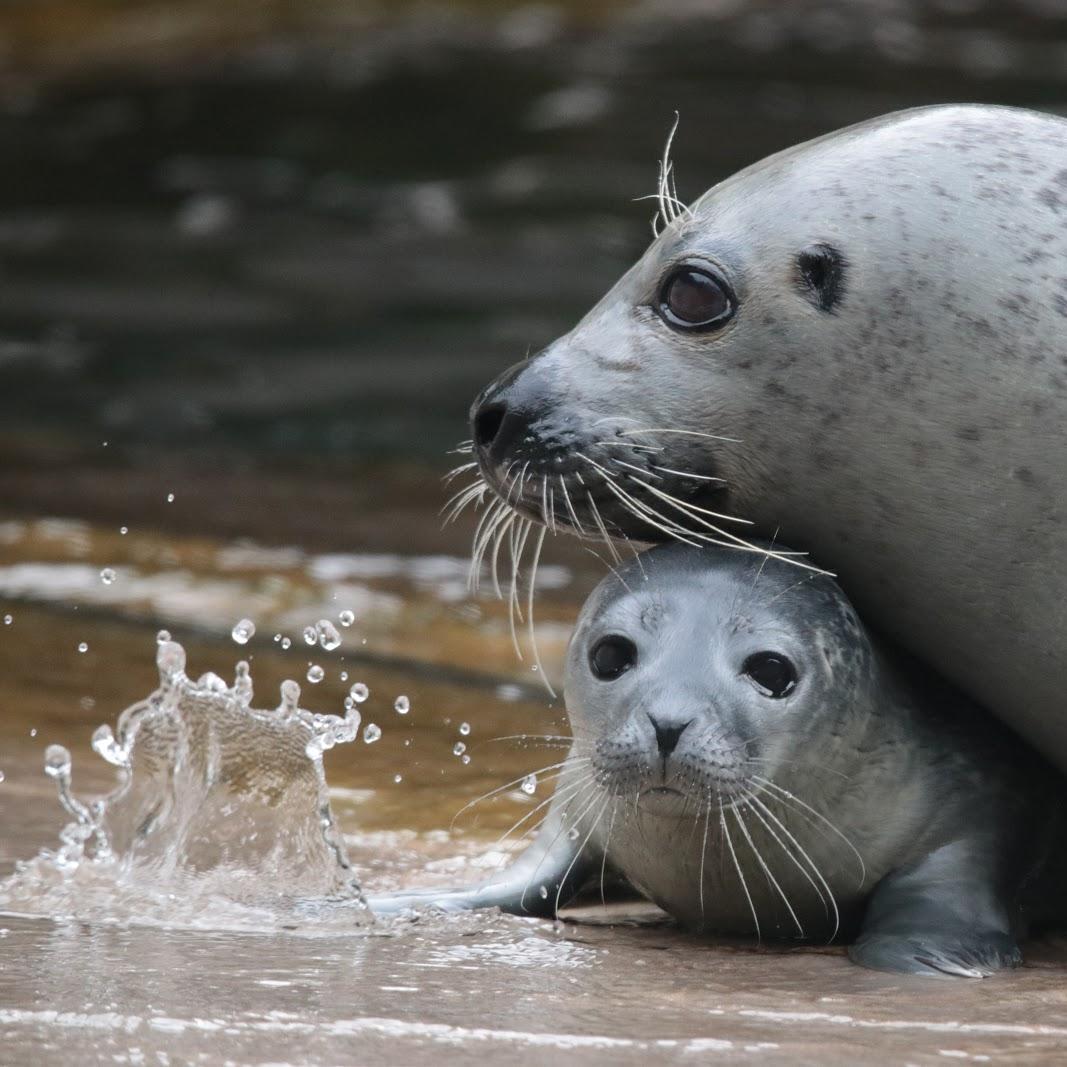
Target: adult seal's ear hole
[(822, 275)]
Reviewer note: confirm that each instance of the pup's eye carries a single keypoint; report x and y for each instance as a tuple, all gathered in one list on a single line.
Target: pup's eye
[(611, 657), (773, 674), (695, 298)]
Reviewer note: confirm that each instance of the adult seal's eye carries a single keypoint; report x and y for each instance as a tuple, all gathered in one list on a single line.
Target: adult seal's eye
[(611, 657), (771, 673), (695, 298)]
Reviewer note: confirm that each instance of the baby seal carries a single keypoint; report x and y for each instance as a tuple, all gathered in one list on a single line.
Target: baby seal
[(747, 756)]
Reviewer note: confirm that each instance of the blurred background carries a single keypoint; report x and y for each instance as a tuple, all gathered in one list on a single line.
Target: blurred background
[(257, 246), (257, 257)]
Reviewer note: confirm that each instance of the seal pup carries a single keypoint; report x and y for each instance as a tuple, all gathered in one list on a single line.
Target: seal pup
[(859, 344), (746, 756)]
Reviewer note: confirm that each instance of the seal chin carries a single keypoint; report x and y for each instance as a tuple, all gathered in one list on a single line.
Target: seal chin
[(665, 800)]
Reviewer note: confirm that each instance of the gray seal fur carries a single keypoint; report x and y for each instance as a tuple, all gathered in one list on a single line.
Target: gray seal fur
[(890, 393), (867, 801)]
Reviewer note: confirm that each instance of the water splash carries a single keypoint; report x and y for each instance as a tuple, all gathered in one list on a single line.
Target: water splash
[(328, 636), (219, 805)]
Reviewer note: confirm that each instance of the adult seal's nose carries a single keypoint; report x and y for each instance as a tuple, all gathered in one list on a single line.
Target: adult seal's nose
[(668, 734), (501, 416)]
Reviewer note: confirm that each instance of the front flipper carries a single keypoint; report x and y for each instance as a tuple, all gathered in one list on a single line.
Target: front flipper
[(553, 869), (943, 917)]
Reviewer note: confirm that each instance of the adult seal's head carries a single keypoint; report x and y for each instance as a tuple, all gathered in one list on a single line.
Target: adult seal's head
[(748, 758), (861, 344)]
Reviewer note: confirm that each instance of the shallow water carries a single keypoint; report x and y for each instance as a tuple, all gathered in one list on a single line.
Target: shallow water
[(607, 985)]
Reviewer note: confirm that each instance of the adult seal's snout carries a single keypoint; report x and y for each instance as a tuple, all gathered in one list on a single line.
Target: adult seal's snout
[(858, 345), (522, 438)]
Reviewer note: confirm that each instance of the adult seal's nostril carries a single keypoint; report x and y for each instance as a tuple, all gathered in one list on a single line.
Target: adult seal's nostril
[(668, 734), (502, 414), (487, 423)]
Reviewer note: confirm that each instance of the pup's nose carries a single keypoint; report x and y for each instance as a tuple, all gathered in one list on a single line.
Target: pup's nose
[(668, 733)]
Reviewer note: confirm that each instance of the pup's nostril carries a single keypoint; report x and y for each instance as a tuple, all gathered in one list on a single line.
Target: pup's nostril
[(667, 735), (487, 423)]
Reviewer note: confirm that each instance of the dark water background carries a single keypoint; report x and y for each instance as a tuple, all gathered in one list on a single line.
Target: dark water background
[(307, 239)]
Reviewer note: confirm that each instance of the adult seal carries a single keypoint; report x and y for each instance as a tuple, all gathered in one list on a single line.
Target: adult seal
[(747, 757), (860, 344)]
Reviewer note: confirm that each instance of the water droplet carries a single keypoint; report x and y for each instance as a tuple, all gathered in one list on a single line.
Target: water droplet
[(315, 674), (286, 642), (170, 658), (124, 530), (162, 637), (170, 498), (344, 676), (83, 646), (108, 575), (346, 618), (33, 731), (1, 776), (402, 705), (210, 681), (311, 636), (459, 748), (56, 761), (243, 631), (465, 759), (359, 692), (327, 633), (544, 892), (529, 784), (105, 746), (242, 681), (290, 695), (572, 833), (8, 620), (371, 733), (398, 778), (464, 728)]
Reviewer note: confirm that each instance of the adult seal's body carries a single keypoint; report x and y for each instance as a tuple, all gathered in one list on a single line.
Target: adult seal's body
[(861, 344), (746, 757)]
